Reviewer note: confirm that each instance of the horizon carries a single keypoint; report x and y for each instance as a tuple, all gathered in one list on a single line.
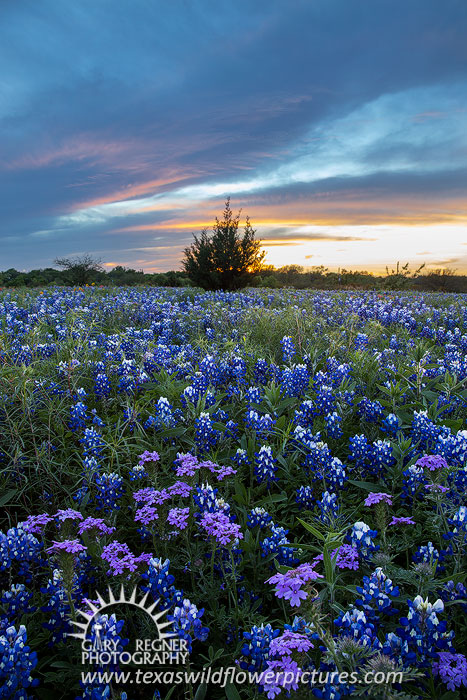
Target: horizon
[(341, 131)]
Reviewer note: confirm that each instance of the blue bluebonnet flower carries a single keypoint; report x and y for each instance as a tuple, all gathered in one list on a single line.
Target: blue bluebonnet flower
[(78, 416), (376, 592), (58, 607), (256, 646), (258, 517), (370, 411), (109, 489), (254, 394), (429, 554), (205, 497), (361, 341), (329, 507), (294, 381), (265, 466), (304, 497), (288, 348), (102, 387), (241, 457), (104, 633), (423, 631), (304, 415), (359, 450), (262, 375), (161, 584), (92, 442), (17, 600), (325, 401), (335, 474), (20, 547), (361, 537), (275, 544), (381, 456), (354, 624), (206, 436), (391, 425), (137, 473), (187, 623), (451, 592), (262, 425), (333, 425), (413, 483), (17, 662)]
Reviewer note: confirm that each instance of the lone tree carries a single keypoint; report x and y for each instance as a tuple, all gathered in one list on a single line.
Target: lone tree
[(224, 259), (80, 270)]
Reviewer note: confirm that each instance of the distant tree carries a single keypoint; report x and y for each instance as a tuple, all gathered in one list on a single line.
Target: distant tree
[(81, 269), (224, 259)]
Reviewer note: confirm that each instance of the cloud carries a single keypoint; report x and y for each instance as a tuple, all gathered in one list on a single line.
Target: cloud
[(174, 106)]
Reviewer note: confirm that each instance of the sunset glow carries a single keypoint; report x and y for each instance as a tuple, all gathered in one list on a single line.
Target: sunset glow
[(339, 159)]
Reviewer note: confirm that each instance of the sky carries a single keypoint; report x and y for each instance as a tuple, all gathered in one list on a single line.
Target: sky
[(339, 127)]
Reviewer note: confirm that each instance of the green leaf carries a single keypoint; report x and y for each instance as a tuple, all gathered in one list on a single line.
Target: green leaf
[(311, 529), (7, 496), (365, 485), (232, 692), (201, 692)]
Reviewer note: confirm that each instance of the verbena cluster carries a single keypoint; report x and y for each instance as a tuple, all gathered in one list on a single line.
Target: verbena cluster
[(282, 473)]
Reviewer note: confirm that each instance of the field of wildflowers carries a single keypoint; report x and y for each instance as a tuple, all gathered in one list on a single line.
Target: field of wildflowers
[(284, 472)]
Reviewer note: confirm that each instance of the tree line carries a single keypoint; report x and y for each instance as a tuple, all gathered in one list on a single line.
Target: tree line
[(228, 259)]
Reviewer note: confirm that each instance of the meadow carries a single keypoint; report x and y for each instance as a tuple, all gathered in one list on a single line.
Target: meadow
[(282, 471)]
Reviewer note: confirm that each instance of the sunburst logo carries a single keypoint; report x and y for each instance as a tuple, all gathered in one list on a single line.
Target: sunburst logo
[(99, 649)]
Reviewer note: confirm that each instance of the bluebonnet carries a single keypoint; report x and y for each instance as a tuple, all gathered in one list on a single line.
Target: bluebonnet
[(288, 348), (361, 537), (262, 425), (109, 489), (413, 483), (423, 631), (376, 594), (58, 607), (325, 401), (304, 497), (361, 341), (241, 457), (206, 436), (452, 592), (391, 425), (275, 544), (92, 442), (78, 416), (333, 425), (160, 583), (17, 662), (20, 547), (262, 375), (102, 386), (254, 394), (258, 517), (359, 450), (354, 623), (428, 554), (17, 600), (329, 507), (187, 623), (255, 649), (304, 415), (265, 466), (294, 381), (370, 411)]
